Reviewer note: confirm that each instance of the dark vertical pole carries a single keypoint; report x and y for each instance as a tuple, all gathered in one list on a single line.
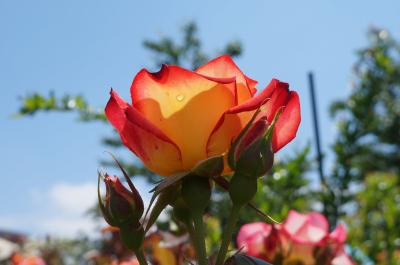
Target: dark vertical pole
[(316, 128), (330, 210)]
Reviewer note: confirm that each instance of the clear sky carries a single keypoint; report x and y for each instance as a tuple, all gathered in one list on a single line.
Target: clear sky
[(49, 163)]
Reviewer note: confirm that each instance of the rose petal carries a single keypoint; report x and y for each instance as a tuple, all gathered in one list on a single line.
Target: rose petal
[(338, 235), (288, 123), (342, 259), (159, 153), (235, 119), (251, 238), (309, 228), (224, 66), (184, 105), (294, 222)]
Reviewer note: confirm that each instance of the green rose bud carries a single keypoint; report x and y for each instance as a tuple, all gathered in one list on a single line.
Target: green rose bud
[(252, 155), (122, 206)]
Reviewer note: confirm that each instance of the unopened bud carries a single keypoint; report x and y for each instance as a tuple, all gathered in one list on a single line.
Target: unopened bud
[(252, 155), (122, 206)]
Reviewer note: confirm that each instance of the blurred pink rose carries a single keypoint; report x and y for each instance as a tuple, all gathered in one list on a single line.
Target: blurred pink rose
[(300, 234), (300, 239), (342, 259), (338, 237), (258, 239)]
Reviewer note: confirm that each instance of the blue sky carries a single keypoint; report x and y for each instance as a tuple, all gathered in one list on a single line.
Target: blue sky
[(49, 163)]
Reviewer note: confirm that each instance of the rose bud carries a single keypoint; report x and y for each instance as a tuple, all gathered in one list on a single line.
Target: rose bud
[(252, 155), (122, 207)]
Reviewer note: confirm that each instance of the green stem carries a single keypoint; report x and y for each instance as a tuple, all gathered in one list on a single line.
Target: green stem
[(140, 257), (199, 238), (192, 232), (227, 234)]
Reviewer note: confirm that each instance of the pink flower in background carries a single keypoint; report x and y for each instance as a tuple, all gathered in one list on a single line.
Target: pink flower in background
[(302, 238), (337, 239), (336, 242), (342, 259), (300, 234), (258, 239)]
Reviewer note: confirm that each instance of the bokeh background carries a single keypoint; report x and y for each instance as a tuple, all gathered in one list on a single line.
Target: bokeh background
[(59, 59)]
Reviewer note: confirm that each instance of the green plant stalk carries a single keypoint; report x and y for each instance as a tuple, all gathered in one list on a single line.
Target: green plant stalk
[(140, 257), (199, 238), (191, 232), (227, 234)]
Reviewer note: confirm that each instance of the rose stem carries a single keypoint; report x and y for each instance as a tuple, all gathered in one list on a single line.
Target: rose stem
[(227, 234), (140, 257), (199, 238)]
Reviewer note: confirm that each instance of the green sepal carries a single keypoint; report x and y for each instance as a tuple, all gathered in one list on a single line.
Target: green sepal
[(132, 236), (241, 189), (167, 190), (103, 210), (167, 196), (256, 160), (209, 167), (169, 181), (181, 211), (196, 192)]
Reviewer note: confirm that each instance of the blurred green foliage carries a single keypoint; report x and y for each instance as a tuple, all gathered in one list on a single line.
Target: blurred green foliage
[(36, 102), (189, 52), (366, 172), (375, 224)]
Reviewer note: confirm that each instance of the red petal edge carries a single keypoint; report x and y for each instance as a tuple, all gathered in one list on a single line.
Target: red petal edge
[(123, 117), (288, 123), (163, 76), (251, 104)]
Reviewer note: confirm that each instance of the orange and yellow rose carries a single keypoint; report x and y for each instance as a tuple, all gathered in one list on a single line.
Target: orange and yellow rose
[(179, 117)]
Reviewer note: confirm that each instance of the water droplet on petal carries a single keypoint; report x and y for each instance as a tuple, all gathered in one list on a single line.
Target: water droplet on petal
[(180, 97)]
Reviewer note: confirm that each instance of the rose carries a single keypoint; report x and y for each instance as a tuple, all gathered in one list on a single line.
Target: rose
[(336, 241), (306, 238), (300, 239), (259, 240), (179, 117), (300, 234), (342, 258)]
